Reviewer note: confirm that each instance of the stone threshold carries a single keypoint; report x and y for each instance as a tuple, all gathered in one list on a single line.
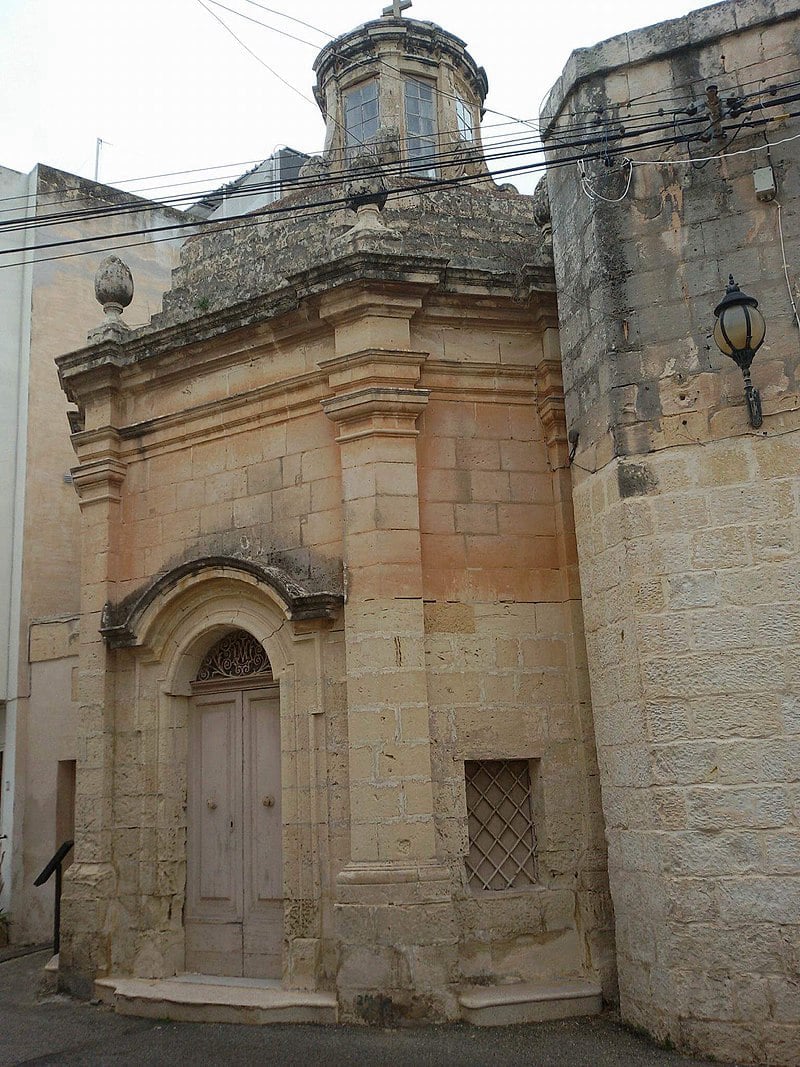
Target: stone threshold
[(529, 1002), (212, 999), (261, 1001)]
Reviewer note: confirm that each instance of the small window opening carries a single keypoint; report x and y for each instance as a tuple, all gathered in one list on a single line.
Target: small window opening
[(466, 129), (421, 127), (360, 115), (502, 841)]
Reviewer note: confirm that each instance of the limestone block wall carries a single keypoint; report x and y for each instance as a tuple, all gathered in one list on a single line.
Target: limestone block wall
[(368, 443), (231, 475), (507, 680), (270, 492), (691, 616), (686, 523)]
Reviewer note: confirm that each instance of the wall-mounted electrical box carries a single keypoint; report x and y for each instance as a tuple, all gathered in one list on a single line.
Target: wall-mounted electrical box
[(764, 182)]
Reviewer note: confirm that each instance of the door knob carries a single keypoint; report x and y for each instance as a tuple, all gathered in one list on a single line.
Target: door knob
[(268, 802), (211, 804)]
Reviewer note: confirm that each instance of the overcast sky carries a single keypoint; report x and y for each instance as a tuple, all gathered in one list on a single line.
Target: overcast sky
[(170, 89)]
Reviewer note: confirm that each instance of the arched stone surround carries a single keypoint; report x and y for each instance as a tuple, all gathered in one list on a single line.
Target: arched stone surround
[(143, 929)]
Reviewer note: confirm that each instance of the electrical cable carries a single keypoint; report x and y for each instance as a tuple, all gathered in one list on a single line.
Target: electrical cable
[(398, 168), (593, 194), (291, 18), (245, 221), (723, 155), (421, 165), (51, 220), (784, 263), (255, 56), (258, 217), (274, 29), (249, 163), (498, 150)]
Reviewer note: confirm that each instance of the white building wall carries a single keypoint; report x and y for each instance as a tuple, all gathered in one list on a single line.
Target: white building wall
[(18, 193), (47, 306)]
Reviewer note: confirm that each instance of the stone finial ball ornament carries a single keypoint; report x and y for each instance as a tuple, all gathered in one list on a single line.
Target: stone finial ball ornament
[(113, 285)]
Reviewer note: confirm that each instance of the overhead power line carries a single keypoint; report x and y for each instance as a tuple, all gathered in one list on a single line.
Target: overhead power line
[(291, 18), (242, 15), (255, 55), (265, 214), (594, 119), (611, 143)]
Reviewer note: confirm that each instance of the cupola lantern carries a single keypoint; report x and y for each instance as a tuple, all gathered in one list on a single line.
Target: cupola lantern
[(405, 93)]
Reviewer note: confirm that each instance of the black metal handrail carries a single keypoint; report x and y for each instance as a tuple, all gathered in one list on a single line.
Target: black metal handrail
[(54, 867)]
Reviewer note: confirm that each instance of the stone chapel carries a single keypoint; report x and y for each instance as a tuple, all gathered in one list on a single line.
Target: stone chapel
[(336, 728), (334, 710)]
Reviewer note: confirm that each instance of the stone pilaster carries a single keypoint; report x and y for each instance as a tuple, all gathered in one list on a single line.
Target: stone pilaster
[(394, 876), (91, 881)]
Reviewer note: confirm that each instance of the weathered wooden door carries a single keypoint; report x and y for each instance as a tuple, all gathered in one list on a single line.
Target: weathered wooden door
[(234, 895)]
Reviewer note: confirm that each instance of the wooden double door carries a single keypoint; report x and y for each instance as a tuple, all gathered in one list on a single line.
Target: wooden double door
[(234, 890)]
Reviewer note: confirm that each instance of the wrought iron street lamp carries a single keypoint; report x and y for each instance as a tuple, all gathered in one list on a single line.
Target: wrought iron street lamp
[(739, 333)]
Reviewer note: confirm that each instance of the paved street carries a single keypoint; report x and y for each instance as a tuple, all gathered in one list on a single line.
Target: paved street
[(57, 1030)]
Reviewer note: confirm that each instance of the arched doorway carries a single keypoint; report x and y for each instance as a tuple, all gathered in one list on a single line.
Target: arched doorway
[(234, 882)]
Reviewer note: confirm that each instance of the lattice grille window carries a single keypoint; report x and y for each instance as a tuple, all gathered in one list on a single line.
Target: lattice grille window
[(237, 655), (502, 842)]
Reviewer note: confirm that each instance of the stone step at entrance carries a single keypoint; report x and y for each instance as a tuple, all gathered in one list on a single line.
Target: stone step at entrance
[(529, 1002), (211, 999)]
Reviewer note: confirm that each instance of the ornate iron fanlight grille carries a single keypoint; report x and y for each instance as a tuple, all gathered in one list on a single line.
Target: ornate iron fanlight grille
[(502, 844), (236, 655)]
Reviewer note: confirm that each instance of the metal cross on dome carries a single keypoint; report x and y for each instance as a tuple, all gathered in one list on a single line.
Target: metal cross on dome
[(396, 8)]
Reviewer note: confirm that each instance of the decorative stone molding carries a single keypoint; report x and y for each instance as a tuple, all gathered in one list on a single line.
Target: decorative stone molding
[(101, 470), (551, 408), (113, 288), (393, 882), (120, 623), (375, 393), (393, 280), (382, 412), (374, 367), (99, 481)]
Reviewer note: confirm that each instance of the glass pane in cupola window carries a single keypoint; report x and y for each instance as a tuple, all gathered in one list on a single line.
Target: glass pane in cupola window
[(464, 119), (360, 115), (421, 127)]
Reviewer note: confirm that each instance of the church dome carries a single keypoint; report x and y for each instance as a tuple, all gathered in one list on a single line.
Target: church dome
[(402, 101), (406, 90)]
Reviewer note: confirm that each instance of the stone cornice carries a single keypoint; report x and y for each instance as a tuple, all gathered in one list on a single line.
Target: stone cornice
[(363, 46), (120, 622), (107, 379), (99, 480), (394, 269), (302, 394), (374, 366), (380, 412), (101, 470), (148, 343), (420, 274), (551, 407)]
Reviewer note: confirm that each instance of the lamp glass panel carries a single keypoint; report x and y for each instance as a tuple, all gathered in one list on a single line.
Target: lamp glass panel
[(722, 344), (758, 327), (735, 321)]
